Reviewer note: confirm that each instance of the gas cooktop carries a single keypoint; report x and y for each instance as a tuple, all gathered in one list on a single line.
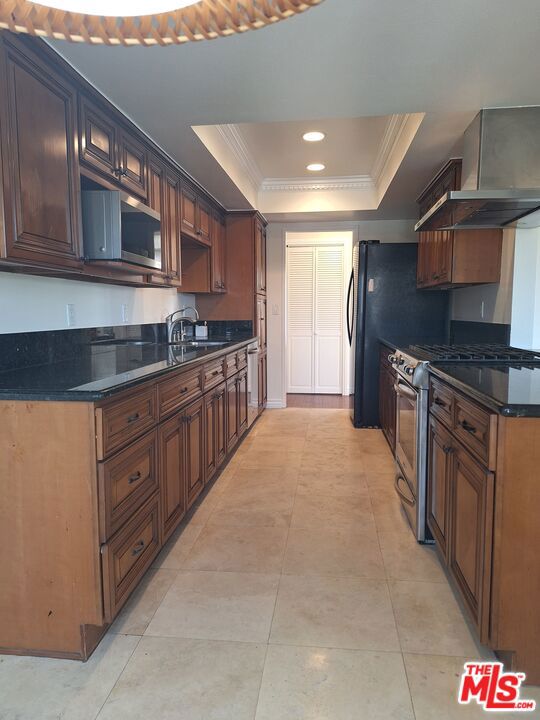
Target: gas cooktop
[(473, 353)]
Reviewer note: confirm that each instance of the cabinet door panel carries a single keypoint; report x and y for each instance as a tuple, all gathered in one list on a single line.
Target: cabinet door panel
[(218, 257), (260, 257), (210, 439), (133, 164), (471, 527), (38, 119), (262, 382), (173, 260), (221, 423), (188, 209), (172, 477), (439, 467), (261, 321), (242, 403), (194, 450), (98, 138), (232, 413), (204, 223)]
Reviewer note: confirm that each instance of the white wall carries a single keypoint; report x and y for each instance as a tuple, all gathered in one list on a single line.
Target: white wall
[(525, 330), (383, 230), (32, 303), (489, 303)]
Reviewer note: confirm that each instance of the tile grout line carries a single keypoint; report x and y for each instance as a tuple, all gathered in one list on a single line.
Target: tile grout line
[(96, 716)]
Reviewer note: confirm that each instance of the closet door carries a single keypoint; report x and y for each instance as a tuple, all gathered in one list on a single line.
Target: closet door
[(328, 320), (300, 304)]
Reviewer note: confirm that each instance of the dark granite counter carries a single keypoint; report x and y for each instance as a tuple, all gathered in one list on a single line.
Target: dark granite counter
[(511, 390), (102, 369)]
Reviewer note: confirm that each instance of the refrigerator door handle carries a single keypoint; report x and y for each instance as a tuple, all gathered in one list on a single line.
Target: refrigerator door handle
[(349, 319)]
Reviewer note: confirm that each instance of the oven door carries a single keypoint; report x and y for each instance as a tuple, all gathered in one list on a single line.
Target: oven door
[(406, 483)]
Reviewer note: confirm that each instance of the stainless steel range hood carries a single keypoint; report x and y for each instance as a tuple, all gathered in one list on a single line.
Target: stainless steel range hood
[(500, 175)]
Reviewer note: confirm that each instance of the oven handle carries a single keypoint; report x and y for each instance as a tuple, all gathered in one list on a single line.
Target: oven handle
[(404, 390), (401, 494)]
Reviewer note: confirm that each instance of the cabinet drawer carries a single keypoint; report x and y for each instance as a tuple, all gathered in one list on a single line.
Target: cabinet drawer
[(477, 429), (128, 555), (231, 364), (213, 374), (441, 402), (121, 422), (178, 391), (241, 359), (125, 482)]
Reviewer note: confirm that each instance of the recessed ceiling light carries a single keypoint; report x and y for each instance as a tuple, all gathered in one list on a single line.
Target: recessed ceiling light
[(118, 8), (313, 136), (315, 167)]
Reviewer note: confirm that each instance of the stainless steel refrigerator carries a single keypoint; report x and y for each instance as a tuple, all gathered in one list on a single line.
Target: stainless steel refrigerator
[(384, 304)]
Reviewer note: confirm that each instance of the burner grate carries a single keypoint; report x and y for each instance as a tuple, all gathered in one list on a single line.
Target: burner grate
[(476, 353)]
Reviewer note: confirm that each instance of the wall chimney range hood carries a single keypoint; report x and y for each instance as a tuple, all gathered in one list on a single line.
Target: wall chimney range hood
[(500, 175)]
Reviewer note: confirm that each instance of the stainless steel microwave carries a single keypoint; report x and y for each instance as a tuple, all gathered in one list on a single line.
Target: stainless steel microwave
[(118, 227)]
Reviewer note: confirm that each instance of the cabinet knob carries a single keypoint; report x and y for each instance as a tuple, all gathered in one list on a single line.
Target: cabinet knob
[(133, 478), (138, 548)]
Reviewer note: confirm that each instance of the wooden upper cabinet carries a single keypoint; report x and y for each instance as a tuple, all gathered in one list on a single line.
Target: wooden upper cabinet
[(218, 256), (97, 138), (188, 209), (170, 224), (453, 258), (205, 226), (132, 168), (40, 167), (110, 149), (260, 257)]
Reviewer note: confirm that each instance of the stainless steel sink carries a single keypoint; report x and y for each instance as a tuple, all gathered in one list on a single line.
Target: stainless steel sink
[(200, 343)]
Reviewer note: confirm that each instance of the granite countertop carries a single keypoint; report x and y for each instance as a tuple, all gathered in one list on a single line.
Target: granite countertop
[(103, 369), (511, 390)]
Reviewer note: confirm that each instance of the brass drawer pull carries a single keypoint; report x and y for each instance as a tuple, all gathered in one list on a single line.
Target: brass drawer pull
[(183, 390), (133, 478), (468, 427), (138, 548), (133, 417), (439, 402), (448, 449)]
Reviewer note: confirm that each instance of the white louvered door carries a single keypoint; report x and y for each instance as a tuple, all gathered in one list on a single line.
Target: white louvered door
[(328, 320), (315, 319), (300, 305)]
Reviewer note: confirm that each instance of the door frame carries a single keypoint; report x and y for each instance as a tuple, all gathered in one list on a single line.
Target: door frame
[(318, 238)]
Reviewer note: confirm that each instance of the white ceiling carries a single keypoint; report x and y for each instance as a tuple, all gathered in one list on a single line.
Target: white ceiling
[(341, 59), (349, 148)]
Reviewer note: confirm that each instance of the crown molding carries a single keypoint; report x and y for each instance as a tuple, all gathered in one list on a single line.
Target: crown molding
[(232, 137), (353, 182), (394, 128)]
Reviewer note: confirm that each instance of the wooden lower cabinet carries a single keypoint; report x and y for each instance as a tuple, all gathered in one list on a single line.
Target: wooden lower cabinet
[(172, 473), (470, 541), (128, 556), (126, 471), (439, 467), (263, 381), (232, 413), (215, 438), (242, 402), (194, 450)]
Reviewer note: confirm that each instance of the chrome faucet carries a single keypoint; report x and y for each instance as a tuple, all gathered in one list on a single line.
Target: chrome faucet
[(172, 323)]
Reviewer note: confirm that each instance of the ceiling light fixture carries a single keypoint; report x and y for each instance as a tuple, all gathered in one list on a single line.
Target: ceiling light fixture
[(144, 22), (315, 167), (315, 136)]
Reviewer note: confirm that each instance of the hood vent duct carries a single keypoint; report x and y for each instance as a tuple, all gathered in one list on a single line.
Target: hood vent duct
[(500, 175)]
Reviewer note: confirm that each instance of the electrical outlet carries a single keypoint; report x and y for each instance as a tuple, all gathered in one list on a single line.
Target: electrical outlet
[(125, 314), (275, 309), (70, 314)]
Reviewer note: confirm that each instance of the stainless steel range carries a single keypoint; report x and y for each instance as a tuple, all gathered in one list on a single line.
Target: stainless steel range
[(412, 389)]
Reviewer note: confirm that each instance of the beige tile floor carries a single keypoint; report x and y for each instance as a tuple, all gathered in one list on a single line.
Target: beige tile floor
[(294, 592)]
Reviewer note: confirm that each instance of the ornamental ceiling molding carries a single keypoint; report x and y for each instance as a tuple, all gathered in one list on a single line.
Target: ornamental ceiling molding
[(394, 129), (233, 138), (351, 182), (205, 20)]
